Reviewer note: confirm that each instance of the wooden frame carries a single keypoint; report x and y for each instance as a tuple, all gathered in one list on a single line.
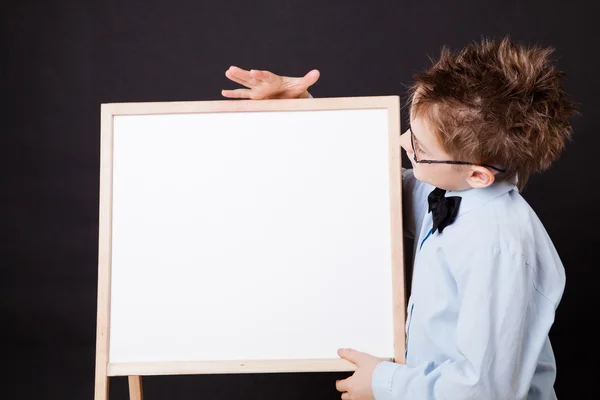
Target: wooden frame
[(134, 371)]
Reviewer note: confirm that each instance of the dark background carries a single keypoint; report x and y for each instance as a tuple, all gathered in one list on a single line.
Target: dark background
[(61, 59)]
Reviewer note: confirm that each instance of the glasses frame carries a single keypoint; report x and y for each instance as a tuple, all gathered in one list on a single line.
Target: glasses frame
[(412, 144)]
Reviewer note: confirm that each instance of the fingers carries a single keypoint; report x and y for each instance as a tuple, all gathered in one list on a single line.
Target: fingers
[(267, 85), (260, 75), (240, 73), (350, 355), (342, 385), (243, 76), (311, 78), (237, 93), (240, 76), (250, 79)]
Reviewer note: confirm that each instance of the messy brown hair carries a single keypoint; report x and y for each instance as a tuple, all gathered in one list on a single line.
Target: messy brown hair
[(496, 103)]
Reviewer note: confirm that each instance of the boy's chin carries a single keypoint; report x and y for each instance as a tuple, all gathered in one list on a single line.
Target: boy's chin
[(440, 185), (420, 178)]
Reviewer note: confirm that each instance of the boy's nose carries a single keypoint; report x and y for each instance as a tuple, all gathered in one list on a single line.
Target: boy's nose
[(405, 143)]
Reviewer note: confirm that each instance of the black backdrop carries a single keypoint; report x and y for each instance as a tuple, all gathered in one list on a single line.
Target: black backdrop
[(60, 60)]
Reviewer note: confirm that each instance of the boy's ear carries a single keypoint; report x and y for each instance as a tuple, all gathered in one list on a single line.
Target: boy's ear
[(480, 177)]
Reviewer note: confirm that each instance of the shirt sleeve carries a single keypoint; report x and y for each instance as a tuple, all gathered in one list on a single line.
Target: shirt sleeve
[(497, 345)]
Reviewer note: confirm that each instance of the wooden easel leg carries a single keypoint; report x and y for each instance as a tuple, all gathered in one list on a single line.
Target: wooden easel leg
[(135, 388), (101, 388)]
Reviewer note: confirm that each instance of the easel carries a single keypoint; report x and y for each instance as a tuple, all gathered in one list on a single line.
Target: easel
[(135, 388), (133, 369)]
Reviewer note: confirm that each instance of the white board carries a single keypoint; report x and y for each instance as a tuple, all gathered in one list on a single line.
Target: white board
[(253, 236)]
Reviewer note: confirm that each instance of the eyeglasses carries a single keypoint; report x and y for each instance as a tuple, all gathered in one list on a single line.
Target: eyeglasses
[(412, 143)]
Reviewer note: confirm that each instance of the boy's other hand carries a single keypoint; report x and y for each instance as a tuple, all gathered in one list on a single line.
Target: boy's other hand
[(358, 386), (262, 85)]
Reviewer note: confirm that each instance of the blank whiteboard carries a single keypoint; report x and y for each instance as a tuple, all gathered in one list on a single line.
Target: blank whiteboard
[(249, 236)]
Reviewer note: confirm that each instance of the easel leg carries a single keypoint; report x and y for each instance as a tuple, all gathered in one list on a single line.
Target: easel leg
[(135, 388), (101, 388)]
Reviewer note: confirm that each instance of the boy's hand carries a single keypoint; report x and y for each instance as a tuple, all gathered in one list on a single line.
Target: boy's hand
[(264, 85), (358, 386)]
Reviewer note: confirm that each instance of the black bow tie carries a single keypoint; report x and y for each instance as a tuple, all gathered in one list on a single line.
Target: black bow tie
[(443, 209)]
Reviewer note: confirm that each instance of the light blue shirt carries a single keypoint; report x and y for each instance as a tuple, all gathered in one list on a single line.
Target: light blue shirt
[(483, 299)]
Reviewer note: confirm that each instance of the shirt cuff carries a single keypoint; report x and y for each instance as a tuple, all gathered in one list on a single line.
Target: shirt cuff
[(383, 376)]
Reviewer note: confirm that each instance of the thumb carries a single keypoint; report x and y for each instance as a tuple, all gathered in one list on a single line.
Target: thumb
[(355, 357), (310, 78)]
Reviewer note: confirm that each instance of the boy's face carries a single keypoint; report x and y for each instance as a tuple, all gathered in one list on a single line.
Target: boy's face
[(444, 176)]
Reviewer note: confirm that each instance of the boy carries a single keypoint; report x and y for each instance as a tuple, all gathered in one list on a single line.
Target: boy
[(487, 279)]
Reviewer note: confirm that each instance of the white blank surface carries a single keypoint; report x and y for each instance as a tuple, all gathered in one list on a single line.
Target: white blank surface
[(241, 236)]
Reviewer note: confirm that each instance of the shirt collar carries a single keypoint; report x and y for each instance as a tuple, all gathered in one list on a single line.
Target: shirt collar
[(472, 198)]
